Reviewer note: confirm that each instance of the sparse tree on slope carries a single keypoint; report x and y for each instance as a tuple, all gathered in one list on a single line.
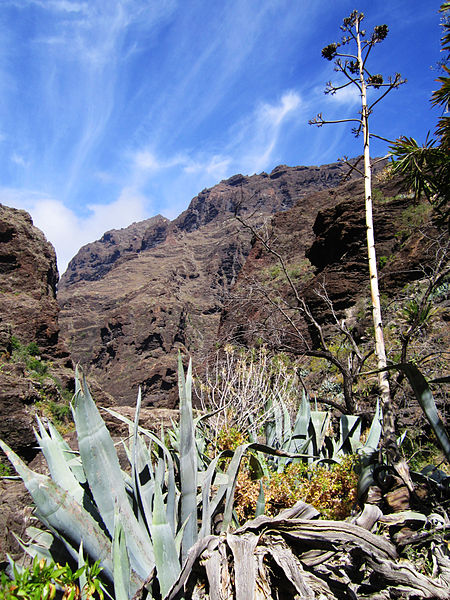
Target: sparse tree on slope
[(350, 57)]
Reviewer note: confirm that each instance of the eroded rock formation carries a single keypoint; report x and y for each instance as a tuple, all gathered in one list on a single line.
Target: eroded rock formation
[(134, 298), (28, 313)]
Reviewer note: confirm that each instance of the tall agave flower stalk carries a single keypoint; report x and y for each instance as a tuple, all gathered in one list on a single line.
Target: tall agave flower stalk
[(353, 65)]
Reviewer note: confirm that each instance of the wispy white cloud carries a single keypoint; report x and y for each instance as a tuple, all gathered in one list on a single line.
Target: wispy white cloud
[(349, 96), (261, 132), (19, 160), (250, 147), (216, 166), (65, 6), (68, 231), (146, 164), (145, 160)]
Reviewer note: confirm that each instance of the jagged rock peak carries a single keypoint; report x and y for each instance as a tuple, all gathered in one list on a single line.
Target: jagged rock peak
[(266, 193), (96, 259)]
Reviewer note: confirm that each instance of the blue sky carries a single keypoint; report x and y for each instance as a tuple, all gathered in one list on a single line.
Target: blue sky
[(112, 111)]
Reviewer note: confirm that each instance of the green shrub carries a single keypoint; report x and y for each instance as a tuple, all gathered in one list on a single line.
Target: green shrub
[(37, 365), (33, 349), (5, 470), (15, 343), (42, 580), (331, 490), (382, 260)]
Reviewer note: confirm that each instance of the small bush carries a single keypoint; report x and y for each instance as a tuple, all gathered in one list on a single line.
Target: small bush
[(41, 581), (5, 470), (37, 365), (382, 261), (33, 349), (331, 490), (230, 439), (15, 343), (58, 412)]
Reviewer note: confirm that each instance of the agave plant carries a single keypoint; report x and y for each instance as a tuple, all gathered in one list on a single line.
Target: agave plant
[(138, 524), (309, 436)]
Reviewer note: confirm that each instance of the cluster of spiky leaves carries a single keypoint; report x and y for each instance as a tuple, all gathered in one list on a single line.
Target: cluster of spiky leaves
[(148, 527), (140, 523), (45, 580), (426, 167)]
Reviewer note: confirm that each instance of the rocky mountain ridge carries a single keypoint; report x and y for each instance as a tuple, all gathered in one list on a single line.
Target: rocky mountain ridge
[(282, 187), (134, 298)]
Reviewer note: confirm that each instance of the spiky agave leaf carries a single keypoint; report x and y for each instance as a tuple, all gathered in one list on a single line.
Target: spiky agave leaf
[(166, 555), (38, 544), (59, 511), (104, 475), (57, 464), (350, 434), (142, 471), (375, 431), (121, 562), (165, 466), (188, 459), (72, 458), (426, 401)]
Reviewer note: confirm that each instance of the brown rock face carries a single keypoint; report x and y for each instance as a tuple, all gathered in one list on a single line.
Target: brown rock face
[(28, 313), (328, 254), (134, 298), (28, 277), (325, 246)]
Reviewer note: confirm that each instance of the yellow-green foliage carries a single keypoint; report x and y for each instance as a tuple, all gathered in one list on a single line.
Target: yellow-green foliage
[(230, 439), (41, 580), (331, 490), (54, 406), (412, 218), (299, 272)]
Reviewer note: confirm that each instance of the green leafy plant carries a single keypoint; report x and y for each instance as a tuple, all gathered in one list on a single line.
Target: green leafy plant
[(5, 470), (332, 489), (33, 349), (42, 580), (382, 261), (37, 365)]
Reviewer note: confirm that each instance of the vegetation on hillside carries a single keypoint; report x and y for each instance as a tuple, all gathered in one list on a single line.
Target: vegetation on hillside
[(158, 528), (247, 497), (54, 400)]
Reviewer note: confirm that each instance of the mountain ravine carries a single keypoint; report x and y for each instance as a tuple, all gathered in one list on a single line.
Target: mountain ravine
[(132, 299)]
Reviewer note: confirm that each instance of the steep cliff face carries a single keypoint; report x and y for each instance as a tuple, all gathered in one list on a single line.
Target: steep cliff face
[(28, 314), (28, 279), (161, 285), (95, 260), (326, 259)]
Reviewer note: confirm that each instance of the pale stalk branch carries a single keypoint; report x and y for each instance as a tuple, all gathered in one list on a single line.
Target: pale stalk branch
[(321, 121)]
